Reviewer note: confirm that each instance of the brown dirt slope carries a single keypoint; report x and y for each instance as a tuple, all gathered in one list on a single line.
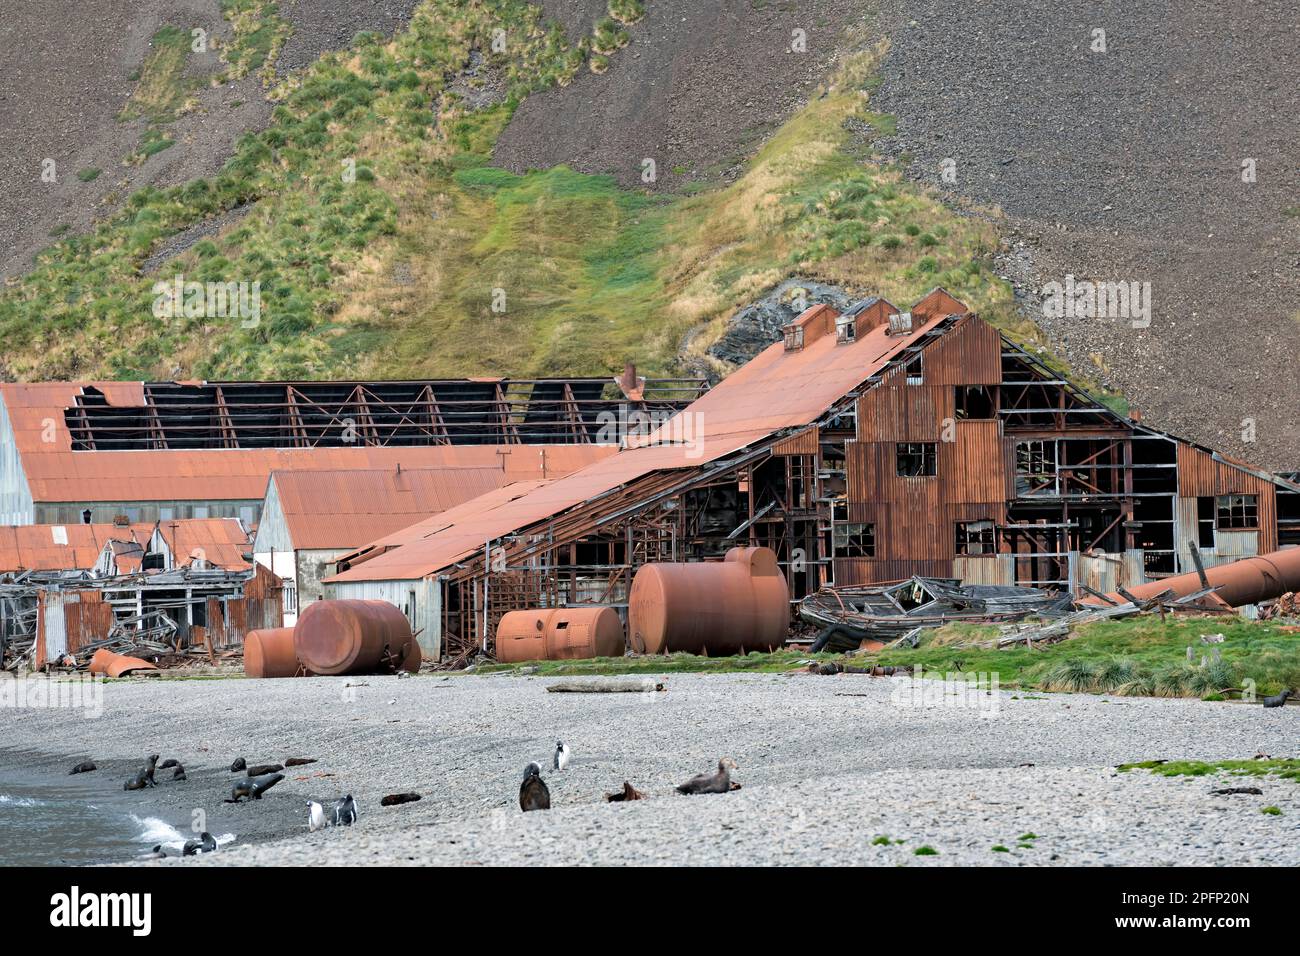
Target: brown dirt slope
[(67, 75), (697, 88), (1126, 165)]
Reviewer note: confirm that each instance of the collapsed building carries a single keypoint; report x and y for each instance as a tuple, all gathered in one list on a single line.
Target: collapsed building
[(866, 447), (93, 452), (155, 589)]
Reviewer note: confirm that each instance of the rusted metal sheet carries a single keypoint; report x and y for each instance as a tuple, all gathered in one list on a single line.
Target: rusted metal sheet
[(354, 637), (558, 634), (801, 443), (732, 606), (61, 547), (347, 509), (109, 664), (1201, 475)]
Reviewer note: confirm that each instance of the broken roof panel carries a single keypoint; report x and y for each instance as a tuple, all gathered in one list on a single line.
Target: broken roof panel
[(58, 547), (777, 391)]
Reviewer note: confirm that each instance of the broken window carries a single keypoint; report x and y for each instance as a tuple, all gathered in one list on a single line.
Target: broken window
[(1237, 511), (1035, 458), (916, 370), (918, 459), (975, 537), (855, 541), (1205, 522), (974, 401)]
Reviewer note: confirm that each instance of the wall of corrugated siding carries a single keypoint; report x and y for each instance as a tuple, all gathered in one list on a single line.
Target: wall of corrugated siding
[(1200, 476)]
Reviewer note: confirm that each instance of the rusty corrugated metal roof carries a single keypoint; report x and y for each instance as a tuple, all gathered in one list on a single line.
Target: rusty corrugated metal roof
[(346, 509), (57, 547), (776, 391), (55, 473), (222, 542)]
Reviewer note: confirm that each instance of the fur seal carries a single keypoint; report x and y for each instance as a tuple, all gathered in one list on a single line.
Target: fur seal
[(299, 761), (533, 792), (1279, 700), (169, 763), (206, 843), (628, 792), (153, 762), (252, 788), (261, 770), (395, 799), (717, 782), (344, 813), (561, 755), (86, 766), (239, 764), (179, 773)]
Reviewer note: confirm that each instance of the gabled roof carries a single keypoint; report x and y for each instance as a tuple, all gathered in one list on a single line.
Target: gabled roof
[(221, 542), (58, 547), (346, 509), (776, 392)]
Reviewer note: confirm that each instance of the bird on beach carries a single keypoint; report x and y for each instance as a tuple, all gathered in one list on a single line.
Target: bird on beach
[(717, 782), (206, 843), (1278, 701), (344, 813), (561, 755), (86, 766), (533, 792), (315, 816)]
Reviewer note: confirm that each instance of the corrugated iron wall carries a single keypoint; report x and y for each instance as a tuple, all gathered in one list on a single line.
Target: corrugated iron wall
[(1200, 476), (915, 517)]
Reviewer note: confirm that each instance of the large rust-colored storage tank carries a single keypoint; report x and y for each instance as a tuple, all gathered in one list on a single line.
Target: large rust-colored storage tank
[(269, 653), (354, 637), (559, 634), (733, 606)]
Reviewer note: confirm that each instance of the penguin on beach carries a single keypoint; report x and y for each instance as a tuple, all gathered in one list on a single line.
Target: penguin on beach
[(344, 813), (315, 816), (561, 755)]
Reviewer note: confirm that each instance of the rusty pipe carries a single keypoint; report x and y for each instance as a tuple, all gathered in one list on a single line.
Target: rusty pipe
[(1247, 581)]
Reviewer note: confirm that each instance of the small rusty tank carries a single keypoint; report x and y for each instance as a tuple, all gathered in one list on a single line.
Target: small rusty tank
[(559, 634), (354, 637), (733, 606), (269, 653)]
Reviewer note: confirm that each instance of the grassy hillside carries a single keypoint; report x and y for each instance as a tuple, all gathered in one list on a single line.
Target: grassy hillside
[(382, 238)]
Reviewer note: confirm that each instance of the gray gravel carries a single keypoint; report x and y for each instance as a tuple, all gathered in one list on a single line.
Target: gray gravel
[(823, 773), (1126, 165)]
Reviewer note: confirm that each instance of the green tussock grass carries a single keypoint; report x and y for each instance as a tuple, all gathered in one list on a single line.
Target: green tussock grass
[(162, 90), (393, 273), (1134, 657), (1283, 769)]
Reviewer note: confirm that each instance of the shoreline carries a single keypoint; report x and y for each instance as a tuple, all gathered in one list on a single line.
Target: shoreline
[(829, 766)]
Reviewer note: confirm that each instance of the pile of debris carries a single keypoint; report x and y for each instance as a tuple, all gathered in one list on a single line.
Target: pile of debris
[(1286, 606), (871, 616)]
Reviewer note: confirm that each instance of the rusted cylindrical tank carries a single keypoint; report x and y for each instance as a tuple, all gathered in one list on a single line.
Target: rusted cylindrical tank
[(269, 653), (559, 634), (353, 637), (105, 662), (733, 606), (1247, 581)]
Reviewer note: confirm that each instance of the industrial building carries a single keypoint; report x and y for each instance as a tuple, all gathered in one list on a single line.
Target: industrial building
[(311, 518), (864, 447), (93, 452)]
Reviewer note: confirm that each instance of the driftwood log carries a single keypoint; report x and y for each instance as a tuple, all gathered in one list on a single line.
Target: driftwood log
[(642, 686)]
